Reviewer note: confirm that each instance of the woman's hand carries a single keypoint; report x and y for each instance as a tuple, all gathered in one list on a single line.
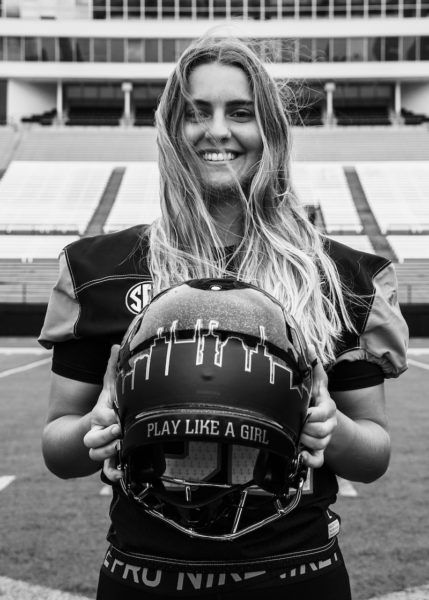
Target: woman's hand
[(321, 418), (105, 430)]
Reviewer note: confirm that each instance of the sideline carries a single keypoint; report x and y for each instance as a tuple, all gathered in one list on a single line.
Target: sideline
[(12, 350), (414, 593), (22, 368), (12, 589), (6, 480), (420, 365)]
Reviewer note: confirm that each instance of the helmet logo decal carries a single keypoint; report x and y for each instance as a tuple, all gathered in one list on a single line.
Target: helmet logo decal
[(138, 296), (199, 338)]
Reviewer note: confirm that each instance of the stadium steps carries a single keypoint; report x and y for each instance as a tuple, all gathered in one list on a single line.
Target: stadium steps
[(9, 142), (372, 230), (107, 200)]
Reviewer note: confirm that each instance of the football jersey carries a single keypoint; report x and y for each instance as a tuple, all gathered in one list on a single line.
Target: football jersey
[(104, 282)]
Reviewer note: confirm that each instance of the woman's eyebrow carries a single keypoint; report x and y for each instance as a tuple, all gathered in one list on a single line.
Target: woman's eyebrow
[(229, 103)]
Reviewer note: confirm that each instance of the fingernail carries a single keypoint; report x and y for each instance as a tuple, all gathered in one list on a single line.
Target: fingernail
[(115, 430)]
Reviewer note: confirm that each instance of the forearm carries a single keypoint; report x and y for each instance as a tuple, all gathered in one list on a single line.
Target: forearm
[(359, 450), (63, 449)]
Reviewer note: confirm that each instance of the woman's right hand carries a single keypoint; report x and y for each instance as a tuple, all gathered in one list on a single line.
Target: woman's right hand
[(102, 438)]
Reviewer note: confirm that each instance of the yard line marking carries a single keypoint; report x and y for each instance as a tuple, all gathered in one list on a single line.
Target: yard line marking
[(6, 480), (10, 350), (345, 488), (33, 365), (13, 589), (417, 351), (414, 593), (417, 363)]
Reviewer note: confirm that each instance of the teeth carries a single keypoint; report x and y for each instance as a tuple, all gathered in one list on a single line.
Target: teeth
[(219, 156)]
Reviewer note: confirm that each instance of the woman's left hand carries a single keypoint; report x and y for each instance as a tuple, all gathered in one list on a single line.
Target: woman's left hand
[(321, 420)]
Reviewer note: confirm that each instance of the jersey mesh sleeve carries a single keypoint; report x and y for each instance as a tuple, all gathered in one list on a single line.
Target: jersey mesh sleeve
[(384, 338), (63, 308)]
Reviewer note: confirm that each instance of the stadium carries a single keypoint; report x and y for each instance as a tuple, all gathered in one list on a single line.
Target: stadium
[(79, 83)]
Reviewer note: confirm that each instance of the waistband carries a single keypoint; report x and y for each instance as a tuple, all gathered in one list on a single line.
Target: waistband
[(165, 576)]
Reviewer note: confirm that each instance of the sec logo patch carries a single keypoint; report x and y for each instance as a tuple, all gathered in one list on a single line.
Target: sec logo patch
[(138, 296)]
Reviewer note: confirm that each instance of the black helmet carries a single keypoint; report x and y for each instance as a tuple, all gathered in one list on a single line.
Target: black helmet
[(212, 391)]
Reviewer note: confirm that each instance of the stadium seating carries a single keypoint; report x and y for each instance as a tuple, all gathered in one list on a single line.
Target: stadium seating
[(8, 139), (87, 144), (362, 115), (48, 196), (413, 281), (27, 248), (94, 115), (397, 193), (57, 183), (29, 266), (138, 197), (410, 247), (325, 184), (324, 144), (353, 144)]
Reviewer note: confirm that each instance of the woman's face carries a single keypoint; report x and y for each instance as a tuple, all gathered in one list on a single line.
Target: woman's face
[(221, 125)]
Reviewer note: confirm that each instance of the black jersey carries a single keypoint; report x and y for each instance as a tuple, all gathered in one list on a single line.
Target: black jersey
[(104, 282)]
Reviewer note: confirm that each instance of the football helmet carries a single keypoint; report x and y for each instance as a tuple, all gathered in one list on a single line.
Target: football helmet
[(212, 390)]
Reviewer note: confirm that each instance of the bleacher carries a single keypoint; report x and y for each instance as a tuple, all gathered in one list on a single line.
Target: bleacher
[(51, 196), (325, 144), (360, 144), (362, 115), (8, 139), (398, 194), (138, 197), (94, 115), (413, 281), (56, 181), (29, 266), (87, 144), (28, 248), (325, 185), (410, 247)]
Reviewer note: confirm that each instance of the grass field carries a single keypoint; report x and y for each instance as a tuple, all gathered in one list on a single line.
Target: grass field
[(53, 531)]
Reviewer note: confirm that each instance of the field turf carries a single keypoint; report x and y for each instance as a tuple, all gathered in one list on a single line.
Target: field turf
[(53, 531)]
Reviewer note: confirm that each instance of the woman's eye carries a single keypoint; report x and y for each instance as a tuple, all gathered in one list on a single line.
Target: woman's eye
[(242, 114), (195, 115)]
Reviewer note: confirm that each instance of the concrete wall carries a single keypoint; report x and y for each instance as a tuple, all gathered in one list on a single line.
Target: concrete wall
[(25, 98), (415, 97)]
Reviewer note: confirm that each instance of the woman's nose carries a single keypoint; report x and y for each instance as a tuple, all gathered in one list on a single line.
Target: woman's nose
[(218, 128)]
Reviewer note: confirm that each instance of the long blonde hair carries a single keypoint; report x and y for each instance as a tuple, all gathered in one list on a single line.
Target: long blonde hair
[(280, 250)]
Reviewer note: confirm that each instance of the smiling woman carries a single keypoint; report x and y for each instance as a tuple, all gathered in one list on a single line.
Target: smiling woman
[(230, 218)]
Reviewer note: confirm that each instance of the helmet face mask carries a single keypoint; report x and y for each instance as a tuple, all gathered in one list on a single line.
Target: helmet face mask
[(212, 390)]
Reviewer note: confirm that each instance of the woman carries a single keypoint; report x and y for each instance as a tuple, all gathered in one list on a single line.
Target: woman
[(228, 209)]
